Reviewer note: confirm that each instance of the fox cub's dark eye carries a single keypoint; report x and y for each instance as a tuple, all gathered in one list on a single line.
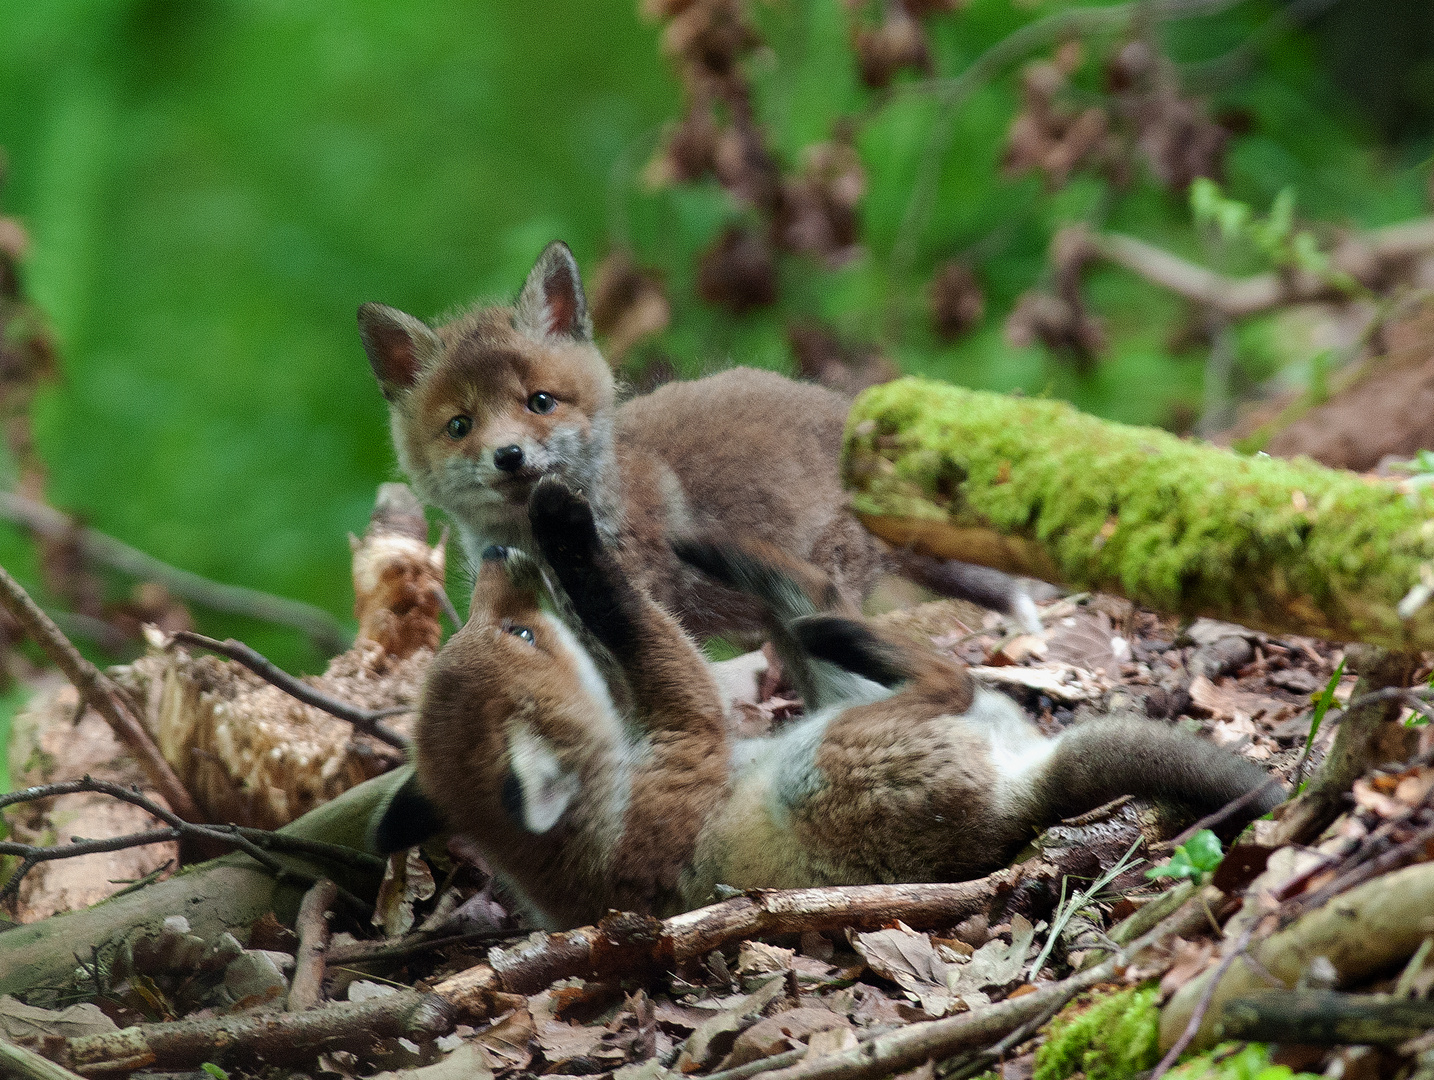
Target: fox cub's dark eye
[(522, 633), (459, 426), (542, 403)]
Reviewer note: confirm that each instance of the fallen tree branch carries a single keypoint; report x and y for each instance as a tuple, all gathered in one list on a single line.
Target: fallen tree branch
[(225, 894), (19, 1063), (103, 696), (912, 1045), (312, 926), (178, 828), (327, 632), (1033, 487), (289, 1038), (623, 944), (1325, 1018), (1361, 257), (369, 721), (1363, 931)]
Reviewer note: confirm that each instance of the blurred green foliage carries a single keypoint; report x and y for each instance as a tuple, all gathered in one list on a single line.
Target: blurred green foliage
[(213, 186)]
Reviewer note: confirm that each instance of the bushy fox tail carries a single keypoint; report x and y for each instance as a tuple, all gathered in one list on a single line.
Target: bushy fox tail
[(1103, 759), (829, 656)]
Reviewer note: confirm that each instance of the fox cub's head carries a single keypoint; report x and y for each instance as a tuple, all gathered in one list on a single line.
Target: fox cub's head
[(514, 713), (485, 405)]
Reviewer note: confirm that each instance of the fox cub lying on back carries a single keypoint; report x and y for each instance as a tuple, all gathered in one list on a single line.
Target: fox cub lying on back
[(904, 769)]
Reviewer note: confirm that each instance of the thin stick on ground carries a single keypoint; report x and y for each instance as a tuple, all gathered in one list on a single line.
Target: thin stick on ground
[(273, 1038), (1203, 1006), (22, 1064), (102, 694), (368, 721), (242, 838), (1220, 816), (326, 632), (312, 926)]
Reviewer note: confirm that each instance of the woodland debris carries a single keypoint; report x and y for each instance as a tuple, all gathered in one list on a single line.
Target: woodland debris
[(288, 1038), (225, 894), (1359, 933), (626, 943), (312, 926), (48, 744), (254, 754), (97, 690)]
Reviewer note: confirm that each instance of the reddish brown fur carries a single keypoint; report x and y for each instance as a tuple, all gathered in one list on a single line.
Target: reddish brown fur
[(609, 850), (747, 453)]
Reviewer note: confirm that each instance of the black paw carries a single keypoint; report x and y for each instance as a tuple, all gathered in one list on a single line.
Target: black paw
[(562, 521), (849, 645), (409, 819)]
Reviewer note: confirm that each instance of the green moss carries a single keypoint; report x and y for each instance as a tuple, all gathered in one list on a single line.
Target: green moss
[(1111, 1039), (1171, 523), (1236, 1061)]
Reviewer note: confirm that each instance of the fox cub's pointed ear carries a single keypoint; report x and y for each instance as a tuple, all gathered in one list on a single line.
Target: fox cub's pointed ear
[(399, 346), (552, 300), (538, 789), (408, 819)]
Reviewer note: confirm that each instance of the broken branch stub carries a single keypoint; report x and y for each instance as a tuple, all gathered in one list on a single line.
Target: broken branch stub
[(1035, 487), (252, 753)]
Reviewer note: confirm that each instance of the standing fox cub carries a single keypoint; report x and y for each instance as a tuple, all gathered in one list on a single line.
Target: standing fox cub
[(904, 770), (484, 406)]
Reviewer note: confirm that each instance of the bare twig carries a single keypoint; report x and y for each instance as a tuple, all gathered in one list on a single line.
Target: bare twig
[(242, 838), (327, 632), (622, 943), (312, 926), (1236, 298), (368, 721), (1203, 1006), (362, 953), (1220, 816), (102, 694), (273, 1038), (23, 1064)]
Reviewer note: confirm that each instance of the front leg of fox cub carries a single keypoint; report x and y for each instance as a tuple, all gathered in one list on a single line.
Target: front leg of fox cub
[(672, 687)]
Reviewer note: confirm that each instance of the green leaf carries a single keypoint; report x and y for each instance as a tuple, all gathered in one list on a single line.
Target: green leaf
[(1195, 859), (1204, 851), (1322, 704), (214, 1071)]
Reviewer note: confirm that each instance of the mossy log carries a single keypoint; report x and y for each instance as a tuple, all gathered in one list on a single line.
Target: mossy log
[(1035, 487), (224, 894)]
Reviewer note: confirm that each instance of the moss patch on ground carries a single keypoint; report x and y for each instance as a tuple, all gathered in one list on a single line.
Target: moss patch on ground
[(1170, 523), (1114, 1037)]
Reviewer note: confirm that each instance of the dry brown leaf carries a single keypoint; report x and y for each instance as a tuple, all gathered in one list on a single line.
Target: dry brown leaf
[(507, 1042), (1189, 958), (1226, 701), (777, 1034), (26, 1024), (406, 881)]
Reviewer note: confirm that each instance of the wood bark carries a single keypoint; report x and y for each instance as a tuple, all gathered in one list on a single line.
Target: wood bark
[(1034, 487), (228, 893), (1325, 1018), (1366, 930), (290, 1038)]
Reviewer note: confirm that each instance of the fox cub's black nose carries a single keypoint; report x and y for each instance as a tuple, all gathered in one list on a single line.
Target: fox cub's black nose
[(508, 458)]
